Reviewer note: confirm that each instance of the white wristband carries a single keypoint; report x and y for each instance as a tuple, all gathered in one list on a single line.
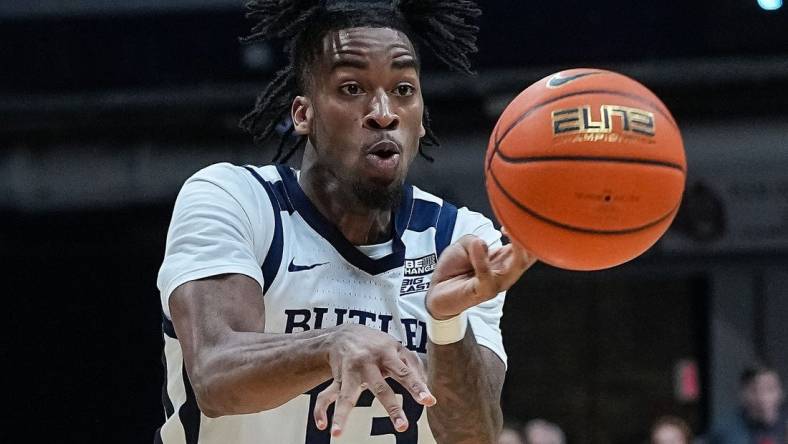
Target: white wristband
[(447, 331)]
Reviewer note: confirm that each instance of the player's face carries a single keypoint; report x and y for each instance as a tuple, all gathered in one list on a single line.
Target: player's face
[(367, 112)]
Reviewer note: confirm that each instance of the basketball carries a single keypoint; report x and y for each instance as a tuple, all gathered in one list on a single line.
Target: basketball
[(585, 169)]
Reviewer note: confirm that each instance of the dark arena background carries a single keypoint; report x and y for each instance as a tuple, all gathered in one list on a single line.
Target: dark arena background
[(106, 107)]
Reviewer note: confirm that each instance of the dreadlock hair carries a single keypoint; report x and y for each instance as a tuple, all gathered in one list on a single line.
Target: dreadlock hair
[(443, 26)]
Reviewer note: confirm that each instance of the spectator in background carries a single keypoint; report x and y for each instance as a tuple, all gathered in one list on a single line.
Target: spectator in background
[(510, 434), (539, 431), (761, 418), (671, 430)]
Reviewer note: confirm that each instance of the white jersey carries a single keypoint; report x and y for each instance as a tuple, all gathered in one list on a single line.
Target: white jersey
[(258, 222)]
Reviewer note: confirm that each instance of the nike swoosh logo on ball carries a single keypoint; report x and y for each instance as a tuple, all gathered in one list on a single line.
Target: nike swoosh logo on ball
[(557, 81), (293, 267)]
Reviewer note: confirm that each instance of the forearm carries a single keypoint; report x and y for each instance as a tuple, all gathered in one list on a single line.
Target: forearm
[(234, 366), (252, 372), (468, 393)]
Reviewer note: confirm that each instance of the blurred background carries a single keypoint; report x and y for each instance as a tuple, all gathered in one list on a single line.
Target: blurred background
[(107, 106)]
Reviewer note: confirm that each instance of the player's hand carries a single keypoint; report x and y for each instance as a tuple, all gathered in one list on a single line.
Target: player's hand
[(468, 274), (362, 358)]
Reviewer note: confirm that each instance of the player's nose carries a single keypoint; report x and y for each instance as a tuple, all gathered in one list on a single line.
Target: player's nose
[(381, 116)]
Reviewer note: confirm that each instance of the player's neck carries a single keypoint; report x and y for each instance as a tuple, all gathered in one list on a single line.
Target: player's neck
[(359, 224)]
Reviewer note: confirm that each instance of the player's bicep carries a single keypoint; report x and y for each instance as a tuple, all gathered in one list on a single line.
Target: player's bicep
[(208, 311)]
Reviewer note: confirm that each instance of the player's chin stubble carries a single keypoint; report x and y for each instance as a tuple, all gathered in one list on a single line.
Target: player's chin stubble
[(378, 197)]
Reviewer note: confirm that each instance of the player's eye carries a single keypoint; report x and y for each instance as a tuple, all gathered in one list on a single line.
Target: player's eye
[(404, 90), (351, 89)]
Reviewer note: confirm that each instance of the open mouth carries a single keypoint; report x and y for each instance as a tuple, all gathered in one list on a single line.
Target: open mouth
[(384, 154), (383, 157), (384, 149)]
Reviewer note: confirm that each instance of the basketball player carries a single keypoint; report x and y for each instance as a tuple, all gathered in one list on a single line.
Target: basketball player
[(303, 306)]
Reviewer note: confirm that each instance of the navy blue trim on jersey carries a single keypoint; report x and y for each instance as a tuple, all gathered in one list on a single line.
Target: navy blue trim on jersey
[(331, 233), (444, 229), (167, 327), (424, 216), (279, 189), (169, 409), (275, 190), (273, 259), (189, 413)]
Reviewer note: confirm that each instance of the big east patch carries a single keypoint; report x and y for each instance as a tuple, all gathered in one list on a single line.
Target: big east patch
[(416, 271)]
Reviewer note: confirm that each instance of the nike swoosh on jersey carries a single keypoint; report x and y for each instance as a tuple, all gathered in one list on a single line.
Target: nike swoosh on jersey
[(557, 81), (293, 267)]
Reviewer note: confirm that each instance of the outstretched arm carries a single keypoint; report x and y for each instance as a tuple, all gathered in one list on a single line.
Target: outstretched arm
[(232, 365), (466, 377), (236, 368)]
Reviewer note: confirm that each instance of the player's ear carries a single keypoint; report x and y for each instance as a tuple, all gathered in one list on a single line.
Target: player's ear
[(301, 112)]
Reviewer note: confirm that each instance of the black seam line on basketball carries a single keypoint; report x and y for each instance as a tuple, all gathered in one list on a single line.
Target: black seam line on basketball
[(490, 158), (572, 227), (579, 93), (590, 159)]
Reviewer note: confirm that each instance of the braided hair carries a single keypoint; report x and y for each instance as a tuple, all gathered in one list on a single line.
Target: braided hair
[(443, 26)]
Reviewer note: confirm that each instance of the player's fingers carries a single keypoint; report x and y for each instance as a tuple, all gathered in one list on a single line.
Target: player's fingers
[(518, 259), (485, 283), (466, 242), (443, 301), (383, 392), (454, 260), (349, 392), (512, 241), (496, 252), (414, 362), (410, 378), (325, 399), (511, 264)]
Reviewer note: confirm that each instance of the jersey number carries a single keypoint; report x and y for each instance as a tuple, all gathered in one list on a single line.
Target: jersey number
[(380, 425)]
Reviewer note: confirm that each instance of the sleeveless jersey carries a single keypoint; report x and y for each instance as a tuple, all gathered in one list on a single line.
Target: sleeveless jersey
[(257, 221)]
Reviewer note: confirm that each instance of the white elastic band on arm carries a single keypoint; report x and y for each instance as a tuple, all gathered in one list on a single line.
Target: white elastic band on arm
[(447, 331)]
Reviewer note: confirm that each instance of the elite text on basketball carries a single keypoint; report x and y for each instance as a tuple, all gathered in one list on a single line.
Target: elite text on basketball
[(580, 120)]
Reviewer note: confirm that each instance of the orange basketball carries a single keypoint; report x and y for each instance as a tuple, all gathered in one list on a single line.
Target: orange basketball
[(585, 169)]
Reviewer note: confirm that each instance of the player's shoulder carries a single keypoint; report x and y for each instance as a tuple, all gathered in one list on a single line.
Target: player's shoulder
[(225, 181), (419, 194), (467, 221), (236, 178), (476, 223), (228, 173)]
